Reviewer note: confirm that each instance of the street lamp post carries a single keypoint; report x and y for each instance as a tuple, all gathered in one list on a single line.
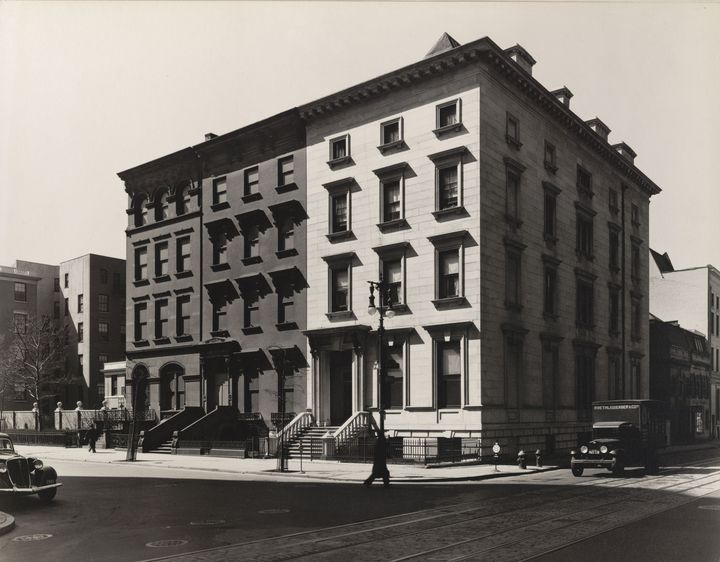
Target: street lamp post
[(280, 366), (383, 309)]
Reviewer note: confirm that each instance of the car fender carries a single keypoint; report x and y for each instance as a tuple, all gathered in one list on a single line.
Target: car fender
[(45, 476)]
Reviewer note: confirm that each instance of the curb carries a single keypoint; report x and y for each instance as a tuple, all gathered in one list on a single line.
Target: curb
[(7, 523)]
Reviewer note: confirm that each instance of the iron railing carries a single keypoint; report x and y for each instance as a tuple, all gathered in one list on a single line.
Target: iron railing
[(254, 446)]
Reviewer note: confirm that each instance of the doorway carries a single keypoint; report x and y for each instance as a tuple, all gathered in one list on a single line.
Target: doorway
[(340, 365)]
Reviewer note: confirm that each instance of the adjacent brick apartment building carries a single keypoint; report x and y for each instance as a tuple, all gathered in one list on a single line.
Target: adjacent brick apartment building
[(513, 232)]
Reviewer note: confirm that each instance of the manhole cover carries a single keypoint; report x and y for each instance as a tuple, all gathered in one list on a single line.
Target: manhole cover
[(36, 537), (273, 511), (166, 543), (715, 507), (208, 522)]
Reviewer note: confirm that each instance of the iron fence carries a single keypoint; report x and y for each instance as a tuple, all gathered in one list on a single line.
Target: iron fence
[(55, 438), (253, 446), (424, 450)]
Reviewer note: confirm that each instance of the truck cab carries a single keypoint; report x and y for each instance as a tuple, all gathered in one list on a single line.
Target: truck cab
[(625, 433)]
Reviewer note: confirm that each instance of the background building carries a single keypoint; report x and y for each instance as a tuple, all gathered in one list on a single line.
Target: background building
[(691, 297), (680, 367)]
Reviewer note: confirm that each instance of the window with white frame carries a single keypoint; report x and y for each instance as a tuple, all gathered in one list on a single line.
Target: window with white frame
[(340, 149), (340, 212), (447, 115), (286, 171), (393, 385), (182, 318), (448, 273), (141, 264), (161, 259), (392, 269), (220, 243), (219, 191), (286, 234), (449, 259), (391, 132), (251, 237), (448, 181), (251, 308), (182, 200), (340, 288), (140, 321), (140, 212), (219, 317), (448, 373), (103, 303), (161, 318), (104, 331), (252, 182), (161, 206), (20, 292), (285, 306), (391, 199), (182, 257)]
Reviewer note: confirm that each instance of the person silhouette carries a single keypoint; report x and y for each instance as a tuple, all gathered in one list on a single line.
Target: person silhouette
[(379, 469)]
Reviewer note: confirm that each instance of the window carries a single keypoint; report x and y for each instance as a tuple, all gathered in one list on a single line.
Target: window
[(104, 330), (161, 318), (512, 130), (392, 271), (103, 303), (635, 318), (447, 116), (21, 292), (635, 262), (251, 246), (550, 290), (286, 235), (340, 289), (616, 384), (80, 303), (613, 201), (103, 276), (56, 310), (140, 213), (513, 175), (219, 318), (584, 303), (340, 212), (448, 373), (161, 259), (550, 212), (634, 382), (80, 364), (340, 149), (220, 243), (391, 200), (182, 317), (614, 298), (141, 321), (20, 322), (102, 359), (635, 215), (550, 372), (182, 200), (584, 181), (584, 379), (140, 264), (67, 306), (219, 191), (286, 170), (550, 157), (392, 390), (57, 285), (67, 280), (252, 184), (250, 310), (161, 207), (182, 257), (449, 274), (285, 309), (513, 355), (391, 133), (113, 385), (584, 235), (513, 273), (447, 187), (614, 241)]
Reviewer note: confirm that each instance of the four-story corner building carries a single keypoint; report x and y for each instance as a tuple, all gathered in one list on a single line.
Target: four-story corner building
[(511, 233), (216, 282)]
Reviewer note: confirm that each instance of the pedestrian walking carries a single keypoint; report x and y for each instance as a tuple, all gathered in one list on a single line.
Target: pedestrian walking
[(91, 437), (379, 469)]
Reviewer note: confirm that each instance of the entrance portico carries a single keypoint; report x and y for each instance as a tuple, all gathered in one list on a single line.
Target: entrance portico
[(336, 385)]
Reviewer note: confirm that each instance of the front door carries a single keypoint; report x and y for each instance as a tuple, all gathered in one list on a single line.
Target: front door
[(340, 386)]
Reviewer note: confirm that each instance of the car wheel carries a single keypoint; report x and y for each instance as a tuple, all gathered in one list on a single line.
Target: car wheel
[(47, 495), (577, 470), (618, 469)]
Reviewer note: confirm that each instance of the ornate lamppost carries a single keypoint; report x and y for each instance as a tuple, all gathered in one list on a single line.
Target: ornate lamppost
[(280, 364), (384, 310)]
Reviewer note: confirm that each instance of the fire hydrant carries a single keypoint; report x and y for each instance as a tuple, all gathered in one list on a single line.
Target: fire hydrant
[(538, 458), (521, 461)]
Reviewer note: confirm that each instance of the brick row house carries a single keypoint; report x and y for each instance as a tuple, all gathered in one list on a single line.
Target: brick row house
[(513, 235), (216, 280)]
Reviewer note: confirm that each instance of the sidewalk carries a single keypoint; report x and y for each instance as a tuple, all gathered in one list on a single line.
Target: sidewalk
[(316, 470)]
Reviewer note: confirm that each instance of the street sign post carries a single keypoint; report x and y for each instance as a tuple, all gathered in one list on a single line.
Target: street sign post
[(496, 454)]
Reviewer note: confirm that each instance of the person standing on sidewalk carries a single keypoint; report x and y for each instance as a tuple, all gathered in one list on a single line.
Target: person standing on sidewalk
[(92, 438), (379, 469)]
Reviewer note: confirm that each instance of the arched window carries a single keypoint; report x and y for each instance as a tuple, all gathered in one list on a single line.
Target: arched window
[(183, 200), (140, 209), (161, 206)]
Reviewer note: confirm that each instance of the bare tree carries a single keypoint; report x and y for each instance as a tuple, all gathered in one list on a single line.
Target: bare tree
[(33, 358)]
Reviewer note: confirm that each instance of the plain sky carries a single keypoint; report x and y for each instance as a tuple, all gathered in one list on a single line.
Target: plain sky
[(91, 89)]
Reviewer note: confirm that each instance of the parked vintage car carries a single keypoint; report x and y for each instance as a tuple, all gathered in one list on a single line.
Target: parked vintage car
[(25, 475), (625, 433)]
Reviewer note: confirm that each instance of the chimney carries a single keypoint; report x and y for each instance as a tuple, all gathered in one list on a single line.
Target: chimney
[(599, 127), (521, 57), (563, 95), (210, 136), (625, 151)]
